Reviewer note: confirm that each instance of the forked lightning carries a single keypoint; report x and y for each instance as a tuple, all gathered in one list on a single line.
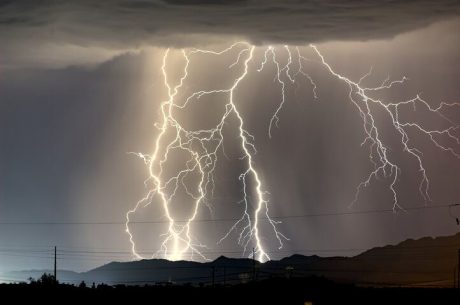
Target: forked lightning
[(203, 146)]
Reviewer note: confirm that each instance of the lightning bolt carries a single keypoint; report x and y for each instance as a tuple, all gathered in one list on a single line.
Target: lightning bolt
[(202, 147), (379, 156)]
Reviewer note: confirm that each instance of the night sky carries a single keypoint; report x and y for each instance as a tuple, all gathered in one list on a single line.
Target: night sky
[(81, 85)]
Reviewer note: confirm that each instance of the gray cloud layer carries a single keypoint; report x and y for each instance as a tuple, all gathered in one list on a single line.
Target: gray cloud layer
[(40, 26)]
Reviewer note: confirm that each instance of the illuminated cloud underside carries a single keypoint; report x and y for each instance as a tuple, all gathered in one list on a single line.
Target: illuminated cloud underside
[(103, 28)]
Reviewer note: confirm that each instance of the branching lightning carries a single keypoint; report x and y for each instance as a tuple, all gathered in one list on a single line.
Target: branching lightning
[(203, 146), (379, 151)]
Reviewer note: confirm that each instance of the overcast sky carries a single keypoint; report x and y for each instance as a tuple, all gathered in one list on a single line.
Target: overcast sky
[(81, 84)]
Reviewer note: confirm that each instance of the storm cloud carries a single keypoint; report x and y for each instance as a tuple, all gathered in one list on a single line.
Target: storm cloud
[(98, 30), (66, 130)]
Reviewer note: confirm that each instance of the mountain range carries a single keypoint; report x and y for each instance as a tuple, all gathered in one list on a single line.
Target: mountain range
[(422, 262)]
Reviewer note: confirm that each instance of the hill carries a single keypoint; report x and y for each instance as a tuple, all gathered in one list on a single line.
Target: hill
[(423, 262)]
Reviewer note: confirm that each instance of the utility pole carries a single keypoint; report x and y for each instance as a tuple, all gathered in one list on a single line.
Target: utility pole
[(213, 271), (458, 270), (254, 264), (455, 278), (55, 262)]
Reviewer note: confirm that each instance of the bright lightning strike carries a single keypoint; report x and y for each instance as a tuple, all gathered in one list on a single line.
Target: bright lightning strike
[(383, 164), (202, 146)]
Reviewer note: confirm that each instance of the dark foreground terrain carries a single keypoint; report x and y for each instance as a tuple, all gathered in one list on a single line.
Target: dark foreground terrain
[(274, 291)]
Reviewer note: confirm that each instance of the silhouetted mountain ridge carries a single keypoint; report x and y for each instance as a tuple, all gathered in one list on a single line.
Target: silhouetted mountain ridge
[(425, 261)]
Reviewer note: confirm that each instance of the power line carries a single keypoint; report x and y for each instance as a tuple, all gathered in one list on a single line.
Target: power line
[(328, 214), (64, 252), (416, 253), (28, 256)]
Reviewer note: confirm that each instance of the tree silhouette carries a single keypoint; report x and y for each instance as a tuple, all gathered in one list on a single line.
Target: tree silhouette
[(45, 280)]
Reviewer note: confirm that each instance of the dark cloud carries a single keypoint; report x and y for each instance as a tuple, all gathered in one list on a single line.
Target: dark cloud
[(205, 2), (27, 26)]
